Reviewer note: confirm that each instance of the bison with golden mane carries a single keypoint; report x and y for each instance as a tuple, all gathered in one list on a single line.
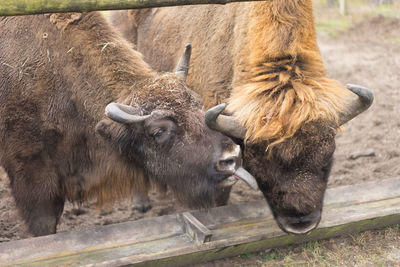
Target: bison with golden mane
[(262, 59)]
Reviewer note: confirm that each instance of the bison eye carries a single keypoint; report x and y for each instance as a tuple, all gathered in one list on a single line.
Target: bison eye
[(161, 130), (158, 132)]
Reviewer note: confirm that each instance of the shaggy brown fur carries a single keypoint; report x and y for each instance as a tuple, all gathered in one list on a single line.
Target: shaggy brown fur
[(265, 52), (58, 73), (262, 58)]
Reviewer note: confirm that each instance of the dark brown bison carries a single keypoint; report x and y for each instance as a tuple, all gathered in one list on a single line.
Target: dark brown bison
[(262, 58), (59, 73)]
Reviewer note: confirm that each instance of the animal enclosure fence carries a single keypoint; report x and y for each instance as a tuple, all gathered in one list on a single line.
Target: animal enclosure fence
[(198, 236), (27, 7)]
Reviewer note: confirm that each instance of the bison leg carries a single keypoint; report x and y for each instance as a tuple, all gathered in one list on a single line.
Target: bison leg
[(43, 216), (38, 203), (141, 202), (222, 196), (162, 189)]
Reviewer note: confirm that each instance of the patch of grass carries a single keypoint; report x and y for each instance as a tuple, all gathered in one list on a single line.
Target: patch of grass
[(395, 40), (371, 248), (333, 26), (329, 20), (311, 245), (289, 261), (270, 256), (387, 6), (246, 256), (377, 261), (386, 12)]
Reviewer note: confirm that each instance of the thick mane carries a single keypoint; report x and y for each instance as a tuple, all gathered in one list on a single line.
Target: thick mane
[(284, 84)]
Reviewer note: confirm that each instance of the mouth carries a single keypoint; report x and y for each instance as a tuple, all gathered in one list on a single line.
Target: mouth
[(299, 225), (228, 182)]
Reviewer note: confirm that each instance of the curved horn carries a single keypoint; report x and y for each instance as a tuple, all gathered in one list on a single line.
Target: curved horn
[(222, 123), (361, 101), (183, 65), (182, 71), (245, 176), (123, 113)]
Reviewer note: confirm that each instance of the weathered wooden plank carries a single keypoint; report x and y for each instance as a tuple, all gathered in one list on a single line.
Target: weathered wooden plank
[(236, 229), (195, 229), (107, 236), (273, 242), (27, 7)]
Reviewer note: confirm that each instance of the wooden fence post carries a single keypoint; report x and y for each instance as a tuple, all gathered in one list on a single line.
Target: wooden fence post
[(27, 7)]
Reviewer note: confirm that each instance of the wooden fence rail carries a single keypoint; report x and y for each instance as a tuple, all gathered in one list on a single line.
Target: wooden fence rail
[(197, 236), (27, 7)]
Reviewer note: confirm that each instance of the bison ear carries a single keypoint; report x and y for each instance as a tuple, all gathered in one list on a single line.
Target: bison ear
[(104, 129), (118, 134), (123, 115)]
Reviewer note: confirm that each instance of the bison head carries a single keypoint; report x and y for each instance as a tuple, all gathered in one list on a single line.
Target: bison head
[(293, 175), (160, 127)]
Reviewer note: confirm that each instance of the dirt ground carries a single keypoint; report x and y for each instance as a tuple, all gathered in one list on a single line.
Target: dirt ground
[(368, 54)]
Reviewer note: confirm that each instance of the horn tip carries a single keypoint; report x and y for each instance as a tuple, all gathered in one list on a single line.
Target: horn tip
[(365, 93), (212, 114), (249, 179), (216, 110)]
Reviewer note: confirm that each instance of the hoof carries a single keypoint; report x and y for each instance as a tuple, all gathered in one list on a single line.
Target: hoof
[(142, 205)]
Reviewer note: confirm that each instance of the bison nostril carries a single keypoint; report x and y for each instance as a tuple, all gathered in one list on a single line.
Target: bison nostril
[(228, 164), (229, 161)]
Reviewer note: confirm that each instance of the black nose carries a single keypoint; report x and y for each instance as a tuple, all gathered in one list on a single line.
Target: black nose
[(229, 160), (299, 224)]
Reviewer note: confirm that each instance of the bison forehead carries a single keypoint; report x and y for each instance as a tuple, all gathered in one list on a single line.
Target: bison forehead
[(164, 92), (312, 145)]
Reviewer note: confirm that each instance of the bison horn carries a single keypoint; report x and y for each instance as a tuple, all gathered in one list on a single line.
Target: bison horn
[(361, 101), (123, 113), (245, 176), (182, 71), (224, 124), (183, 65)]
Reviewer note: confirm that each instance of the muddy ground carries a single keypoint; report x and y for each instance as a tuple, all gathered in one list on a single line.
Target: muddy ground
[(368, 149)]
